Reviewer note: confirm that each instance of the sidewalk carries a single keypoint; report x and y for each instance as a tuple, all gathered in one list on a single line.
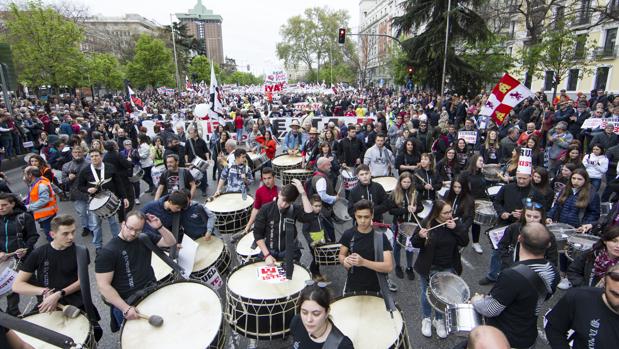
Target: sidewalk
[(8, 165)]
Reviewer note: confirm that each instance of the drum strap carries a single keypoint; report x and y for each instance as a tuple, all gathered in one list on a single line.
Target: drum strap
[(382, 277), (533, 278), (193, 150), (144, 239), (42, 333), (334, 338), (176, 223), (290, 243), (82, 272)]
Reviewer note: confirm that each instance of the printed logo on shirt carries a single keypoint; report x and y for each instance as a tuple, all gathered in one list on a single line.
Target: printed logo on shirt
[(125, 257), (593, 332)]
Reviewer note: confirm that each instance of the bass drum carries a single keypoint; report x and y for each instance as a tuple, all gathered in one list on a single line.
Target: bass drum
[(156, 173), (79, 329)]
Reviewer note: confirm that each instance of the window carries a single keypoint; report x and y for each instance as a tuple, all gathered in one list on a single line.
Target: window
[(579, 51), (611, 38), (601, 76), (548, 80), (572, 80), (512, 30), (585, 12), (559, 14)]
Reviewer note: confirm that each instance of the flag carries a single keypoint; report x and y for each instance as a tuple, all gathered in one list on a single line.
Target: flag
[(217, 108), (136, 102), (187, 83), (508, 93), (202, 88)]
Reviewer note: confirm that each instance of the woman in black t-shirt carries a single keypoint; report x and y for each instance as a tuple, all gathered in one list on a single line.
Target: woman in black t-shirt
[(311, 328)]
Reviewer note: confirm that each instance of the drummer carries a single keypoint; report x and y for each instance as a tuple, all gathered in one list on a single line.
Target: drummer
[(100, 177), (508, 202), (265, 194), (513, 304), (51, 273), (379, 158), (270, 228), (310, 148), (237, 177), (197, 221), (323, 186), (293, 140), (175, 178), (196, 146), (368, 190), (312, 326), (123, 266), (165, 208), (477, 187), (588, 269)]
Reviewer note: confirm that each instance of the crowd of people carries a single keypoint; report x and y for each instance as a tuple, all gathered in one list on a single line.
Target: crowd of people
[(445, 159)]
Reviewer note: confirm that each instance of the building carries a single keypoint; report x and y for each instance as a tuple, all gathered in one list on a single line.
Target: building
[(591, 22), (375, 17), (116, 35), (205, 26)]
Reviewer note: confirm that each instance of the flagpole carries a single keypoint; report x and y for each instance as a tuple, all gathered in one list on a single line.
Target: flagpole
[(446, 46), (177, 76)]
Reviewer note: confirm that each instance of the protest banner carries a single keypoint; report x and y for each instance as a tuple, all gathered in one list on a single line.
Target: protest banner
[(525, 161), (470, 137), (600, 123)]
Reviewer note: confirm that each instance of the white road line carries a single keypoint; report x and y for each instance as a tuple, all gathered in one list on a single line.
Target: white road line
[(467, 263), (542, 335)]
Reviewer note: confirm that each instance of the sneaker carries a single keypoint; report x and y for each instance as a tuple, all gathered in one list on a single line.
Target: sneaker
[(426, 327), (399, 272), (564, 284), (392, 286), (485, 281), (439, 326), (477, 248), (137, 201), (410, 273)]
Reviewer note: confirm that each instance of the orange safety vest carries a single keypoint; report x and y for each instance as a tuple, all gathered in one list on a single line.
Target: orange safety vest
[(51, 208)]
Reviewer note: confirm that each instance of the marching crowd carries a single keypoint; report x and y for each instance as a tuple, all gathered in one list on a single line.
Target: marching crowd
[(452, 168)]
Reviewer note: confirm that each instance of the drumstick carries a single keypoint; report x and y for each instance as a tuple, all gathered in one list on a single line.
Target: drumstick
[(69, 311), (153, 320), (442, 224), (423, 180)]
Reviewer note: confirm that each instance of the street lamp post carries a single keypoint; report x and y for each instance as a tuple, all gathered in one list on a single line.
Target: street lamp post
[(178, 78), (446, 46)]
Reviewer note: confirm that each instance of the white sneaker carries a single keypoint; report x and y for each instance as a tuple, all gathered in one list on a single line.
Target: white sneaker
[(392, 287), (564, 284), (439, 325), (426, 327), (137, 201), (477, 248)]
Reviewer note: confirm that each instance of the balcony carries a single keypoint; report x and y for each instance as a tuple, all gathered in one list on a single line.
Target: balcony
[(601, 53)]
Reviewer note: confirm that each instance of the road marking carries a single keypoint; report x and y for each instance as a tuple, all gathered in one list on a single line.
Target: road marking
[(542, 335), (467, 263)]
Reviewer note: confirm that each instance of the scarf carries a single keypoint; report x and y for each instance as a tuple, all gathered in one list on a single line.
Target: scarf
[(602, 263)]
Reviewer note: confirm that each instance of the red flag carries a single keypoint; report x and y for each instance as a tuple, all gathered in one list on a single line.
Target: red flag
[(508, 93)]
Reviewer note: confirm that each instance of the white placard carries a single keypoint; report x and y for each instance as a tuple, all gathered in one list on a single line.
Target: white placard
[(525, 162), (470, 137), (187, 255)]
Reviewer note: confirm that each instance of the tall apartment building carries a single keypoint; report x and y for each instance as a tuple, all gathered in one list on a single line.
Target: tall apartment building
[(205, 26)]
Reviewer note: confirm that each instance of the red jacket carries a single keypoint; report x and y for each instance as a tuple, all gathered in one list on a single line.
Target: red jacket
[(238, 122)]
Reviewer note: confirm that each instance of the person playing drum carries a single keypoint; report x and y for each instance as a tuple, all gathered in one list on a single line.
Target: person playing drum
[(589, 268), (175, 178), (123, 266), (357, 253), (50, 271), (196, 146), (312, 328), (166, 207), (368, 190), (270, 226), (18, 235), (314, 232), (237, 176), (197, 221), (323, 186), (293, 140), (265, 194)]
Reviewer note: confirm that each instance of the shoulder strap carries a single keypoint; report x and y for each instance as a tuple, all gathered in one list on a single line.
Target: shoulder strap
[(382, 277), (289, 229), (81, 255), (334, 338), (533, 278), (145, 240)]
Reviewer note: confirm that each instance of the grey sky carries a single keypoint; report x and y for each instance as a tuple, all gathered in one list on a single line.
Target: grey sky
[(250, 27)]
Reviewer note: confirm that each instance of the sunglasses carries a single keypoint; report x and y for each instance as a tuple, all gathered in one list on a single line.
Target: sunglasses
[(321, 284), (528, 203), (613, 275)]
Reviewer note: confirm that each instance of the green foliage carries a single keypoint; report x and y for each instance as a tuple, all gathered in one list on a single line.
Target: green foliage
[(241, 78), (491, 59), (152, 64), (201, 66), (45, 45), (104, 70)]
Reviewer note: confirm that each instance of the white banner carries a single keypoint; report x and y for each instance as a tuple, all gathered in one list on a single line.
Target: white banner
[(595, 123), (470, 137), (525, 162)]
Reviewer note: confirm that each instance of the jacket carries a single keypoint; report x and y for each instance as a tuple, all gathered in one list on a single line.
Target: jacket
[(430, 178), (580, 271), (508, 247), (423, 263), (510, 197), (596, 166), (407, 160), (348, 151), (42, 200), (373, 192), (477, 184), (379, 160), (568, 213), (270, 227), (17, 230)]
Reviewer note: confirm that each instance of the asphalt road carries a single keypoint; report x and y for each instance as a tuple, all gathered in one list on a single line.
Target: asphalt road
[(407, 296)]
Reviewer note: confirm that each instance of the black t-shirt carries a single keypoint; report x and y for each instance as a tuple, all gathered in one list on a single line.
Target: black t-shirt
[(362, 278), (582, 310), (171, 180), (54, 269), (130, 262), (4, 341), (302, 340)]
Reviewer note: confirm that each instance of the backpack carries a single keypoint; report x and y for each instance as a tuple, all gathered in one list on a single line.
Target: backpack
[(309, 188)]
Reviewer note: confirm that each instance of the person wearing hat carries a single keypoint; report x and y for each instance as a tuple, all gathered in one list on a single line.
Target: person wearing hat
[(293, 140), (309, 150)]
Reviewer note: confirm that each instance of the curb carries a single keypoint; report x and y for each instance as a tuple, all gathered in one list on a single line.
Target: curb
[(11, 164)]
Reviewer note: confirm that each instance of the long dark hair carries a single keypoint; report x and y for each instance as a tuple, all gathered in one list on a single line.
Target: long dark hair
[(472, 165), (320, 295), (544, 186), (533, 206), (466, 200), (584, 194), (608, 234), (437, 208)]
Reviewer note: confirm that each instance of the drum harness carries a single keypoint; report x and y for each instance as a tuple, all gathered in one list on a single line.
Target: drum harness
[(382, 277), (36, 331)]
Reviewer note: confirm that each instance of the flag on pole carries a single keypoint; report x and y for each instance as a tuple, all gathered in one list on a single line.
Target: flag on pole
[(508, 93), (217, 108), (136, 102)]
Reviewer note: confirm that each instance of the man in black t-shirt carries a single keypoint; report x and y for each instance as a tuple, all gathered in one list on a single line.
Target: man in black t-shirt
[(175, 178), (123, 265), (592, 313), (514, 302), (357, 252)]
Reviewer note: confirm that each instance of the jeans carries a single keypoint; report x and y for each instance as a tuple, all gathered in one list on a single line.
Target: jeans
[(397, 248), (97, 231), (596, 183), (239, 135), (426, 308), (564, 263), (329, 228), (475, 231), (46, 225), (136, 189), (7, 144), (81, 207), (495, 265), (148, 177)]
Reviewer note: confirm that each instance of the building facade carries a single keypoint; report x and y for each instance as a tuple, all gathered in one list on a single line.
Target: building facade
[(205, 26)]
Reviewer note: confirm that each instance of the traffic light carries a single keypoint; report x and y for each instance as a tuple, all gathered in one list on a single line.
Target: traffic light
[(410, 70), (341, 39)]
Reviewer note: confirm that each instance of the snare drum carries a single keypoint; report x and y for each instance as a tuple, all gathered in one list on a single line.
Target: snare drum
[(362, 317), (349, 179), (298, 173), (485, 214), (156, 173), (340, 210), (261, 310), (199, 164), (244, 251), (232, 211), (138, 173), (493, 190), (427, 207), (579, 244), (442, 192), (605, 208), (104, 204), (7, 276), (387, 182), (78, 329), (285, 162), (211, 253), (446, 288), (257, 160), (460, 319), (197, 174), (562, 232), (327, 254), (491, 172), (192, 315)]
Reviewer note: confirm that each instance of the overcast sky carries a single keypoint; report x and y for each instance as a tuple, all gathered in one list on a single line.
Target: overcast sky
[(250, 27)]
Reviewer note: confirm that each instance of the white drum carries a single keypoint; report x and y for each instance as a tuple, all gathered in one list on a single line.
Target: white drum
[(387, 182), (364, 319), (349, 179), (210, 253), (196, 174), (7, 276), (493, 190), (78, 329), (244, 251), (232, 211), (156, 173), (427, 207), (285, 162)]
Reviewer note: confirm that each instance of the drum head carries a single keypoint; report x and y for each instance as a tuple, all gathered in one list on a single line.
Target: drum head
[(244, 282), (243, 247), (7, 277), (340, 208), (361, 317), (287, 160), (208, 253), (297, 171), (387, 182), (194, 319), (492, 191), (97, 201), (449, 288), (582, 241), (559, 229), (78, 329), (230, 202), (160, 268)]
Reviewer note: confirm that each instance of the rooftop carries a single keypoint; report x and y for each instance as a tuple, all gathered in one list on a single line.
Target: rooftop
[(200, 12)]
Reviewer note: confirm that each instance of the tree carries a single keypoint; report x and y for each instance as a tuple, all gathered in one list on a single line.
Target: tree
[(241, 78), (491, 60), (427, 49), (201, 67), (104, 70), (186, 44), (152, 64), (45, 45)]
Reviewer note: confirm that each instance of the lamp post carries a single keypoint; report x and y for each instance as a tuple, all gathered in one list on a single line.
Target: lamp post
[(446, 46), (177, 76)]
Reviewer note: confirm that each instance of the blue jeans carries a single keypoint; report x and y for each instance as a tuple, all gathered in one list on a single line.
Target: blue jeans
[(97, 231), (426, 308), (239, 135), (397, 248), (46, 226), (596, 183), (495, 265), (81, 207)]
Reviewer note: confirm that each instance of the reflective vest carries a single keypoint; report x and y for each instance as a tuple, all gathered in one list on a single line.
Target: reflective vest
[(48, 210)]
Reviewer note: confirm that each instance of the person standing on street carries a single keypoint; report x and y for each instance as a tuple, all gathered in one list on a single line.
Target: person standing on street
[(196, 147), (41, 200), (70, 172)]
